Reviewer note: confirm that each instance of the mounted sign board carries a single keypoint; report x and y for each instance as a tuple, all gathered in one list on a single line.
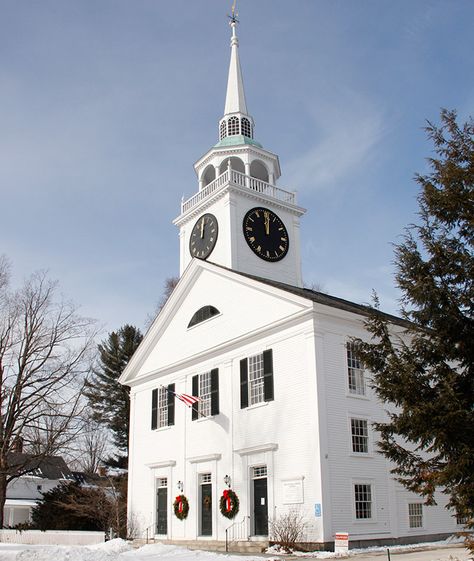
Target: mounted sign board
[(292, 491), (341, 542)]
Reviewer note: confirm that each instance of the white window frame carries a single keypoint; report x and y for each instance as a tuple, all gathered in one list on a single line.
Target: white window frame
[(204, 394), (415, 516), (162, 409), (373, 504), (355, 368), (256, 384), (362, 436)]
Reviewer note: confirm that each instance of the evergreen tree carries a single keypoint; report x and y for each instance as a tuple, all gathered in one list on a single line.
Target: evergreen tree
[(429, 375), (108, 399), (69, 506)]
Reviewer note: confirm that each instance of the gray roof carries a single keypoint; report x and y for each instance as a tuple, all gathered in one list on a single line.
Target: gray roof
[(325, 299), (48, 467)]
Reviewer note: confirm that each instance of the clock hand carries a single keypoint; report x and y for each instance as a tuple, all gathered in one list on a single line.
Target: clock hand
[(202, 228), (267, 222)]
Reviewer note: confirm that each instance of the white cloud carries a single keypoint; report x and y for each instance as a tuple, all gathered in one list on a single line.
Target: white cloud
[(350, 129)]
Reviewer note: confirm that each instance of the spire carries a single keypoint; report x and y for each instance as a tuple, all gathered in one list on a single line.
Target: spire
[(236, 126), (235, 97)]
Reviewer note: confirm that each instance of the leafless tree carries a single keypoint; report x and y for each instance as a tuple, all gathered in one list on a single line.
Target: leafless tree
[(170, 285), (92, 447), (45, 355)]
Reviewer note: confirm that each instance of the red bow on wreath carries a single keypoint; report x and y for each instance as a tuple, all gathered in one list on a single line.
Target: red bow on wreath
[(179, 500), (228, 502)]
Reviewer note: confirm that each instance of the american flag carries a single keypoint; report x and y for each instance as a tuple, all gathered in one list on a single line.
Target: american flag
[(187, 399)]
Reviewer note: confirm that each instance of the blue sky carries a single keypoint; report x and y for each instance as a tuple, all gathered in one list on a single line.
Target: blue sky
[(105, 106)]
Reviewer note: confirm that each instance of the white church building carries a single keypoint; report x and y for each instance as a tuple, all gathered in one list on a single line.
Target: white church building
[(285, 411)]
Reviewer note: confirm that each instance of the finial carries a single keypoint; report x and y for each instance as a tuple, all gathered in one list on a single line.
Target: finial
[(233, 17)]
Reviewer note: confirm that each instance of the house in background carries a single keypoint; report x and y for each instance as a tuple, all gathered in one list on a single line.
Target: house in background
[(24, 492), (285, 409)]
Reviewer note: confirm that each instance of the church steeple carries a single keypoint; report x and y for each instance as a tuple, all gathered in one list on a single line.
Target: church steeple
[(236, 126), (235, 97), (237, 186)]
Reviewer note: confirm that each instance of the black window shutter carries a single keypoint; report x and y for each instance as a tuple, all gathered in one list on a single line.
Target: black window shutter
[(171, 404), (244, 384), (154, 409), (195, 410), (268, 375), (215, 391)]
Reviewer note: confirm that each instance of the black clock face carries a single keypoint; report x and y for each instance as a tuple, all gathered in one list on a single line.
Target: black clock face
[(265, 234), (203, 236)]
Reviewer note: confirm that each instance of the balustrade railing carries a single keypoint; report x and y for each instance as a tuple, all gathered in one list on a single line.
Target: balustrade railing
[(241, 180), (239, 531)]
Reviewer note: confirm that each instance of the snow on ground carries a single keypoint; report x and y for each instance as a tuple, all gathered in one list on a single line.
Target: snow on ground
[(114, 550), (352, 552), (120, 550)]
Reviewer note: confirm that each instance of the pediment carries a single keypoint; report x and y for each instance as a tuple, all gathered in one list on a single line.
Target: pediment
[(246, 308)]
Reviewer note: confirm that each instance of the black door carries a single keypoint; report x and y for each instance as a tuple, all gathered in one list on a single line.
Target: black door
[(260, 510), (206, 509), (161, 510)]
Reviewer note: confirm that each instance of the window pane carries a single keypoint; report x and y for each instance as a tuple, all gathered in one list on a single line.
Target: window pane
[(162, 407), (360, 436), (204, 404), (259, 471), (363, 501), (415, 515), (355, 372), (256, 391)]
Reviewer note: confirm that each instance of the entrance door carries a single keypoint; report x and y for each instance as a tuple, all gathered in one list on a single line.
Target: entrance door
[(162, 510), (206, 509), (260, 510)]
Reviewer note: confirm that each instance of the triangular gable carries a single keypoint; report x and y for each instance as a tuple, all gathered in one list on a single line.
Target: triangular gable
[(245, 305)]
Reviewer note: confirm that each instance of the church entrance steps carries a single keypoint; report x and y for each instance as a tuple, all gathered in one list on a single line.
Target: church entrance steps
[(244, 546)]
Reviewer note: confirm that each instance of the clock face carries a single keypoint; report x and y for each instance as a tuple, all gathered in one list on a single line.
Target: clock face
[(265, 234), (203, 236)]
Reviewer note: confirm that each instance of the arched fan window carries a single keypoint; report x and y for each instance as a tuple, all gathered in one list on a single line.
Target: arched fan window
[(202, 314), (233, 127), (223, 130), (245, 126)]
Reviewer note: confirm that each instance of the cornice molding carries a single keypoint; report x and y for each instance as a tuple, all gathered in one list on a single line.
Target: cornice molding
[(270, 447), (205, 458), (226, 151), (163, 464)]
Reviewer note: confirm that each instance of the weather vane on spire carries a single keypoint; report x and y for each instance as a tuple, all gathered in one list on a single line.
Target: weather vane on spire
[(233, 17)]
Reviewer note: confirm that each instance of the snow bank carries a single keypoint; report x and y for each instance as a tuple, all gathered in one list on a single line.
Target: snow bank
[(108, 551)]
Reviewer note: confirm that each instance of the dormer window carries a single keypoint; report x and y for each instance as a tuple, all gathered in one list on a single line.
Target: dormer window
[(245, 127), (233, 126), (202, 314)]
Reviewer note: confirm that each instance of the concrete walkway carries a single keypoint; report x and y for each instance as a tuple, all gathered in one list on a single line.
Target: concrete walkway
[(455, 552)]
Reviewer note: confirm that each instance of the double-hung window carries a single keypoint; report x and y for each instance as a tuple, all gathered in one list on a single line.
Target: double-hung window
[(415, 515), (359, 436), (162, 407), (206, 387), (355, 372), (363, 501), (256, 379)]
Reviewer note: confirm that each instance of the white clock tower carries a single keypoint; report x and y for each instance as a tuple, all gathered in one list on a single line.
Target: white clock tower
[(239, 218)]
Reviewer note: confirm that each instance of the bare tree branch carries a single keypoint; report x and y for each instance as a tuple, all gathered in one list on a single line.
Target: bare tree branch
[(46, 350)]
